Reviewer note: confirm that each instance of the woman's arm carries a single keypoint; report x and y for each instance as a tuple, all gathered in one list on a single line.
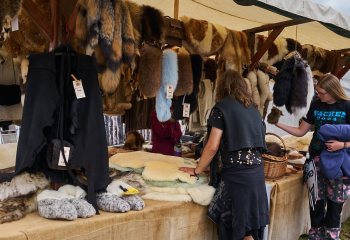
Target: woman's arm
[(300, 131), (208, 153)]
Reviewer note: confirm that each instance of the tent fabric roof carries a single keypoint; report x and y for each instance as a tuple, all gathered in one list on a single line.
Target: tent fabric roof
[(237, 17)]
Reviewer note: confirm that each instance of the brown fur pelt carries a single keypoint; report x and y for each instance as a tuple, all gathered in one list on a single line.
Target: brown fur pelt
[(134, 141), (203, 37), (235, 51), (119, 101), (16, 208), (150, 70), (29, 38), (185, 82), (277, 51), (8, 10), (319, 58)]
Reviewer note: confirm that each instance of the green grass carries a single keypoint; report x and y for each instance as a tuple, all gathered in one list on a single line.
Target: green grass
[(344, 233)]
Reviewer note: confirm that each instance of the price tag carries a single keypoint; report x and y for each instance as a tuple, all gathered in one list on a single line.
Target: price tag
[(169, 91), (186, 110), (78, 87), (14, 24), (61, 161)]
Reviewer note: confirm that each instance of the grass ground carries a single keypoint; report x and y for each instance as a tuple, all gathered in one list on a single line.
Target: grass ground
[(344, 234)]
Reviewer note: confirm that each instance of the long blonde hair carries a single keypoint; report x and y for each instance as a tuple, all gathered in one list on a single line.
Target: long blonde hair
[(232, 84), (331, 84)]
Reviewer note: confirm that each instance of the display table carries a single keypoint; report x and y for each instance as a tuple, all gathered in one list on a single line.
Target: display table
[(289, 209), (159, 220)]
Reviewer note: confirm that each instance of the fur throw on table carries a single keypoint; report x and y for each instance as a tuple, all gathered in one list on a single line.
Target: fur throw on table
[(203, 37)]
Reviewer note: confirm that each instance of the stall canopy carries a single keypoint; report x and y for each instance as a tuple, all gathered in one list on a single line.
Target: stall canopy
[(262, 12)]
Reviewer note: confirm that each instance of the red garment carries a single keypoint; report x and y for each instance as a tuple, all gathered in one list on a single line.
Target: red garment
[(164, 135)]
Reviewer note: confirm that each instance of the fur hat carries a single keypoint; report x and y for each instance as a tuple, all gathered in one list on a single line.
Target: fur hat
[(203, 37), (150, 70), (185, 83), (169, 77)]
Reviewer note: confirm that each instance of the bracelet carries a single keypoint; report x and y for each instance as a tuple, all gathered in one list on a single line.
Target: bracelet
[(195, 174), (345, 145)]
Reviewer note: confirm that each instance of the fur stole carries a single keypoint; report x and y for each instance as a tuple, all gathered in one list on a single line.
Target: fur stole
[(13, 209), (235, 51), (169, 77), (203, 37), (150, 70), (185, 83), (197, 66), (283, 83)]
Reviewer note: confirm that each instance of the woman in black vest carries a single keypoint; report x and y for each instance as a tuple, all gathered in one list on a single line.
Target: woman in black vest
[(236, 129)]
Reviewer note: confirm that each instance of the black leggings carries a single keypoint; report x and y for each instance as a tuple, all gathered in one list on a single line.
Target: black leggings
[(326, 214)]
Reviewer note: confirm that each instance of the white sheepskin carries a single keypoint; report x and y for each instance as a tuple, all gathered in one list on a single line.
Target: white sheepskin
[(72, 191), (167, 197), (22, 184), (202, 194), (52, 194)]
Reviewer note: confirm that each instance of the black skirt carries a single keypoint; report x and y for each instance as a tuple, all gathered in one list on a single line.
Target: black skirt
[(240, 205)]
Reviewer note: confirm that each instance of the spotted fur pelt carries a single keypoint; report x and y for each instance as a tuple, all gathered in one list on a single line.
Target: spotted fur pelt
[(23, 184), (13, 209)]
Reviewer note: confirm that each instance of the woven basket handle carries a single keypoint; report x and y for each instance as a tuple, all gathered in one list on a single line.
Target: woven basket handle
[(284, 145)]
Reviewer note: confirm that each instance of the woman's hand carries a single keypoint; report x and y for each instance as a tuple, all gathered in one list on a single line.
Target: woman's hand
[(334, 145), (188, 170)]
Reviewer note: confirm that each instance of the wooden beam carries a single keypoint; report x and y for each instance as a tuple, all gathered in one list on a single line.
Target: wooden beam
[(39, 18), (343, 71), (284, 24), (55, 22), (176, 9), (266, 45)]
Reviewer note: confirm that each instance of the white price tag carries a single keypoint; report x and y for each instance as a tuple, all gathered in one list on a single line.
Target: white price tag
[(169, 91), (186, 110), (14, 24), (61, 161), (78, 87)]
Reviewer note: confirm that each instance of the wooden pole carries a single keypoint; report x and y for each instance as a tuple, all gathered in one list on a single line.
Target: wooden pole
[(176, 9)]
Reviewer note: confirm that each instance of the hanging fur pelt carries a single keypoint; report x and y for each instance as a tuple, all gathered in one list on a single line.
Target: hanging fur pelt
[(13, 209), (302, 90), (203, 37), (277, 51), (185, 83), (319, 58), (169, 77), (283, 83), (150, 70), (8, 10)]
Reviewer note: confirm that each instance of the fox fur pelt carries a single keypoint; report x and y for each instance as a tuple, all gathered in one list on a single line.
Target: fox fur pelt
[(283, 83), (203, 37), (319, 58), (13, 209), (185, 82), (134, 141), (150, 70)]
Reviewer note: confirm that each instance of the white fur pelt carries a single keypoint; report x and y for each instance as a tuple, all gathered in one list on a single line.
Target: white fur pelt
[(170, 76), (72, 191), (202, 194), (23, 184), (171, 197)]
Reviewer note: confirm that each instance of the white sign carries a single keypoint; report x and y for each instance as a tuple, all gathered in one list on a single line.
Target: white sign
[(61, 161)]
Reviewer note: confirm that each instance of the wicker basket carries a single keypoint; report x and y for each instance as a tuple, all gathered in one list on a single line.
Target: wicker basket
[(274, 167)]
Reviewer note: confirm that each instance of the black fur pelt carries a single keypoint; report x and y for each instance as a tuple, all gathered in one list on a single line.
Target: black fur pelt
[(197, 66), (282, 87), (153, 26), (299, 88)]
